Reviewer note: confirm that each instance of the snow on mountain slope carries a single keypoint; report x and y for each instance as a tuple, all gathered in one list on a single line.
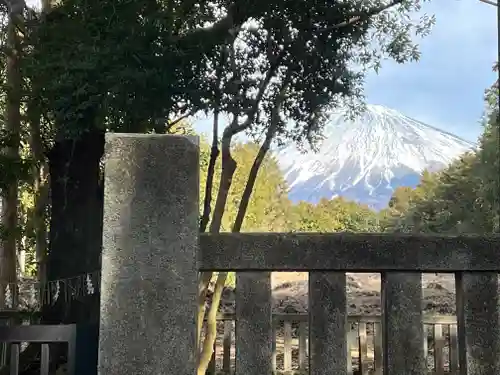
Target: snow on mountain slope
[(366, 159)]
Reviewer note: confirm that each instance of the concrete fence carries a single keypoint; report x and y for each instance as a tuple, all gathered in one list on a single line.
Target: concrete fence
[(153, 252), (364, 344)]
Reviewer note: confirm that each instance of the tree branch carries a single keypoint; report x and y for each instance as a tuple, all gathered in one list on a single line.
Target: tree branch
[(179, 119), (252, 176), (360, 16), (489, 2), (234, 18), (214, 152), (236, 128)]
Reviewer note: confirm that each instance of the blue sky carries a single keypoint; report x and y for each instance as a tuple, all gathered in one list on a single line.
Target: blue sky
[(445, 88)]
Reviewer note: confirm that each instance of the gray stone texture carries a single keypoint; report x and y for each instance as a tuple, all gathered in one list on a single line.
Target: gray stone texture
[(478, 323), (253, 323), (353, 252), (402, 324), (327, 323), (150, 244)]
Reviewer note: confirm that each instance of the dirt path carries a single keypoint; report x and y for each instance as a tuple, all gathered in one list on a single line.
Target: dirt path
[(363, 290)]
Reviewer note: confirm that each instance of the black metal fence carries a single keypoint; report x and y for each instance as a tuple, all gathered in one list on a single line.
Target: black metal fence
[(43, 335), (20, 331)]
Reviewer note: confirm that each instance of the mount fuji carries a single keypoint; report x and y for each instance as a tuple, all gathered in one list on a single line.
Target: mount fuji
[(365, 160)]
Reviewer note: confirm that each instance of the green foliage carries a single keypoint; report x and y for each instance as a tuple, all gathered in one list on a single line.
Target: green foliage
[(121, 65), (270, 210), (463, 198), (19, 169), (336, 215), (14, 168), (269, 203), (106, 64)]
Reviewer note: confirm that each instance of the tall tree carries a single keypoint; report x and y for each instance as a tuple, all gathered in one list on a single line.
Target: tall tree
[(40, 169), (163, 69), (463, 198), (292, 66), (12, 116)]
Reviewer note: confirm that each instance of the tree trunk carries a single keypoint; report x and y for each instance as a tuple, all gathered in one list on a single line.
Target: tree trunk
[(252, 178), (8, 250), (41, 192), (228, 169), (75, 239), (41, 172)]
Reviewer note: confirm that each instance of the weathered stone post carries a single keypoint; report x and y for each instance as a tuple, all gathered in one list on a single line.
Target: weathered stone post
[(328, 323), (402, 324), (478, 318), (149, 267)]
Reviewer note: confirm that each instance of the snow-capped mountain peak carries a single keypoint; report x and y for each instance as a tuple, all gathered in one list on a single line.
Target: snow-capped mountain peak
[(366, 159)]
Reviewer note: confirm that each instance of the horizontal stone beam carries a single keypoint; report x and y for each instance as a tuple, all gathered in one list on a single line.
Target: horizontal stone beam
[(351, 252)]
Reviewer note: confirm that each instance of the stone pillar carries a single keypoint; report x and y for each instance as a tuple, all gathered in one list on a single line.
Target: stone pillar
[(478, 318), (402, 324), (149, 267), (254, 329), (328, 323)]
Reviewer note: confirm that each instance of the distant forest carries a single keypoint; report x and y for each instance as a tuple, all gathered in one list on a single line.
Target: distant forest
[(459, 199)]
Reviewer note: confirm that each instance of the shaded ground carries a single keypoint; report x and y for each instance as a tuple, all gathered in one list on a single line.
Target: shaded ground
[(290, 294), (363, 289)]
